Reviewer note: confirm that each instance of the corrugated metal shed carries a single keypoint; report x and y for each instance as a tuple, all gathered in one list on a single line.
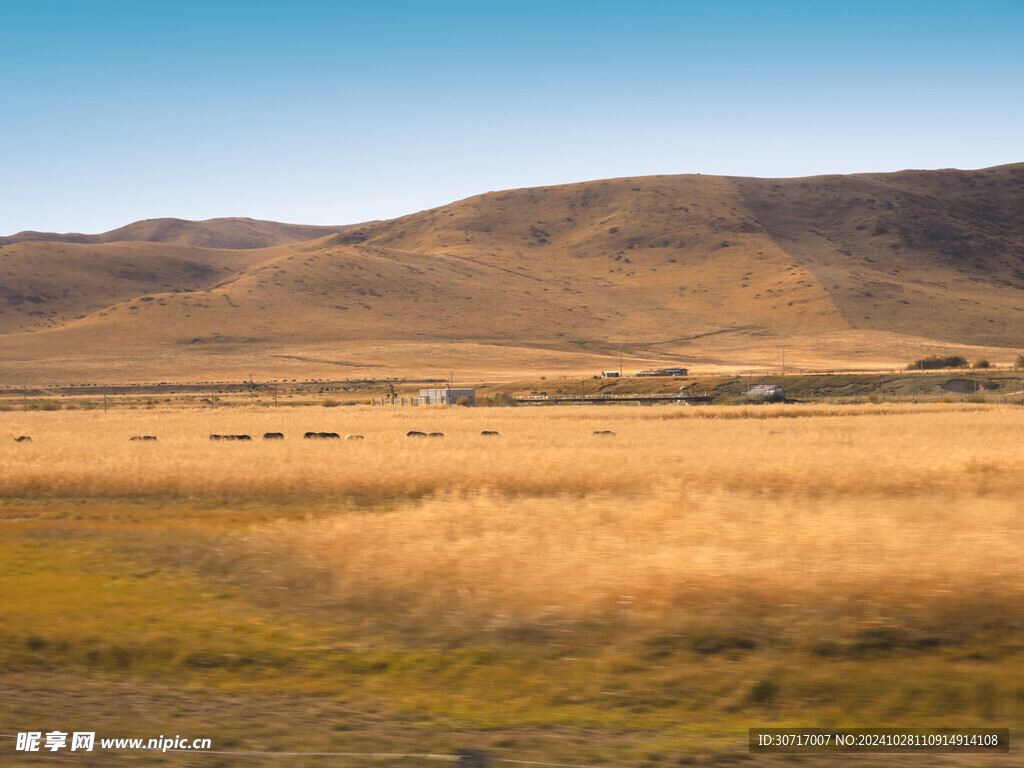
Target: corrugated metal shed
[(446, 396)]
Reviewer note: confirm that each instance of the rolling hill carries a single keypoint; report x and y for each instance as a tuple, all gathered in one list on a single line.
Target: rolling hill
[(213, 233), (845, 271)]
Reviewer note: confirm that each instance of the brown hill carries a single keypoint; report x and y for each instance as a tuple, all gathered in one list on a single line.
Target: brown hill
[(211, 233), (45, 285), (850, 271)]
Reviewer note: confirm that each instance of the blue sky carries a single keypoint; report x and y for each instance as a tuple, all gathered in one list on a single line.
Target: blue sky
[(337, 112)]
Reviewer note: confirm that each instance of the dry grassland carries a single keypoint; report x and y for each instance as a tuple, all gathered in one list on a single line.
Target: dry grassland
[(699, 565), (913, 505)]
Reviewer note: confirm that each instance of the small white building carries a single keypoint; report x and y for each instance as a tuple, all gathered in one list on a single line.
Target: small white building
[(446, 396), (609, 374)]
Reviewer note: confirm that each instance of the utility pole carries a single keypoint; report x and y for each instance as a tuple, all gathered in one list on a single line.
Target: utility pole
[(920, 365)]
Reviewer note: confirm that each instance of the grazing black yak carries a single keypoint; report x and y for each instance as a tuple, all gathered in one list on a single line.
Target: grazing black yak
[(414, 433), (489, 433), (273, 436), (321, 436), (142, 437), (23, 439)]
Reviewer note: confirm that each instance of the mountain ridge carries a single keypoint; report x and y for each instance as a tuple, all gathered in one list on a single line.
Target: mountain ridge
[(858, 269), (238, 233)]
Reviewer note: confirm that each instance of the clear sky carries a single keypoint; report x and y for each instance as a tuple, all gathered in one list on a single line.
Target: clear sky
[(337, 112)]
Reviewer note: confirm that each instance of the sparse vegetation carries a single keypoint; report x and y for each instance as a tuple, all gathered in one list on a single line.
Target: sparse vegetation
[(502, 399), (44, 405), (978, 364), (934, 362)]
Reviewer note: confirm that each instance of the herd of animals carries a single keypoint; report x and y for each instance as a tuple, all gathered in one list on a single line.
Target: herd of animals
[(310, 436)]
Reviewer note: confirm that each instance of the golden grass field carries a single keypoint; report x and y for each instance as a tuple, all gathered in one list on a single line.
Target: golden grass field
[(547, 594)]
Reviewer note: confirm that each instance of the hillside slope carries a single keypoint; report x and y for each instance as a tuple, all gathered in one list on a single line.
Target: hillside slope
[(45, 285), (629, 264), (842, 270), (938, 254)]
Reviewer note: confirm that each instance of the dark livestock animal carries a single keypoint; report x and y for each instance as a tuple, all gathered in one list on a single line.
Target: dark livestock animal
[(273, 436), (23, 439), (142, 437), (436, 434), (489, 433), (414, 433), (604, 432), (321, 436), (230, 437)]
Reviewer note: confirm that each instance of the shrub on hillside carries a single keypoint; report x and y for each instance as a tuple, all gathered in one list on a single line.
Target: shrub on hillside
[(933, 362), (502, 399), (981, 364), (45, 405)]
